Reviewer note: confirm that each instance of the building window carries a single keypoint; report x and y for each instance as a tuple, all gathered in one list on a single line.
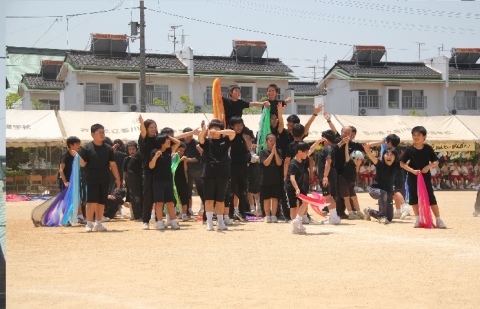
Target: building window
[(158, 91), (393, 98), (50, 104), (99, 94), (413, 99), (466, 100), (304, 109), (208, 94), (129, 93), (368, 98)]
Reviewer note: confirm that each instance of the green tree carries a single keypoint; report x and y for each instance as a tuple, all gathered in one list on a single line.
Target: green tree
[(161, 103), (36, 104), (187, 103), (11, 99), (414, 112)]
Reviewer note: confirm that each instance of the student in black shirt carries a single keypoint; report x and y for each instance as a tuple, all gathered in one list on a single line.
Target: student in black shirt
[(382, 186), (327, 172), (193, 153), (239, 168), (97, 158), (132, 179), (162, 185), (119, 156), (114, 203), (271, 160), (346, 182), (293, 188), (216, 170), (233, 107), (181, 182), (272, 92), (65, 168), (421, 158)]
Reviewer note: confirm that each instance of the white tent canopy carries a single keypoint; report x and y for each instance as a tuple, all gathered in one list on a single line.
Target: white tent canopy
[(472, 123), (439, 128), (32, 128)]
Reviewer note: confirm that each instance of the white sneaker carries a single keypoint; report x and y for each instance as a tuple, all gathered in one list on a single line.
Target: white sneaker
[(221, 226), (383, 220), (440, 224), (255, 158), (417, 223), (105, 219), (267, 219), (184, 217), (89, 228), (352, 216), (397, 215), (274, 219), (367, 214), (405, 213), (227, 221), (190, 212), (175, 225), (305, 220), (98, 227), (476, 213), (160, 225), (145, 226), (298, 224), (298, 231), (360, 215), (209, 226), (332, 220)]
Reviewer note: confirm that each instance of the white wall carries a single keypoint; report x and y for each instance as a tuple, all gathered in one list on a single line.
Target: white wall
[(28, 96), (338, 99), (453, 88)]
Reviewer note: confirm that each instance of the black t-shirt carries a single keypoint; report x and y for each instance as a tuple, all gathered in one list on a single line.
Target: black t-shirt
[(328, 152), (419, 158), (234, 108), (180, 178), (192, 152), (295, 168), (385, 176), (66, 159), (282, 139), (274, 106), (125, 164), (135, 164), (162, 170), (98, 160), (215, 155), (239, 152), (350, 171), (119, 159), (145, 148), (271, 174)]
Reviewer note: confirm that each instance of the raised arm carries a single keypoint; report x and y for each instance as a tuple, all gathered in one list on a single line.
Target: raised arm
[(278, 159), (281, 125), (347, 155), (316, 110), (201, 136), (328, 117), (371, 156), (314, 146), (175, 142), (227, 132), (187, 134), (143, 130), (264, 103), (153, 162)]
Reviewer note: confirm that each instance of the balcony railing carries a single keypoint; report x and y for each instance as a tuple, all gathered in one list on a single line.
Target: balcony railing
[(414, 102), (165, 96), (466, 102), (369, 101), (100, 96)]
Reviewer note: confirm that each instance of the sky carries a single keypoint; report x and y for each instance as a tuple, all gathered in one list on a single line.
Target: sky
[(2, 79), (301, 33)]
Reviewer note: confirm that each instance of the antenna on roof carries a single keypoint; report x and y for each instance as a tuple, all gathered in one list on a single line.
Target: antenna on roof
[(174, 36), (182, 38), (419, 44)]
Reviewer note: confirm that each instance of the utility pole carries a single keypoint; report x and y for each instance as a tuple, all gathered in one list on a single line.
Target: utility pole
[(143, 87), (419, 44), (324, 67), (174, 36), (440, 48)]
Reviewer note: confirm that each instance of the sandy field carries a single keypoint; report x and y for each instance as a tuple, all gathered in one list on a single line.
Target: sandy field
[(358, 264)]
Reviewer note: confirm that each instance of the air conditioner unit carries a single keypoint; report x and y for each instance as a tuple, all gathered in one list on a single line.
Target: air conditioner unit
[(363, 112), (133, 108)]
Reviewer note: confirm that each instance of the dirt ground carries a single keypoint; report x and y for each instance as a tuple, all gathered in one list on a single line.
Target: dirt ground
[(358, 264)]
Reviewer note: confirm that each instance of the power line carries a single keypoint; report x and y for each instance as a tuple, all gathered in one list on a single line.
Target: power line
[(45, 32), (344, 19), (399, 9)]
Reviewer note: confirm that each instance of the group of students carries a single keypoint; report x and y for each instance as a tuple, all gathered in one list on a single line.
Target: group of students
[(219, 164), (457, 177)]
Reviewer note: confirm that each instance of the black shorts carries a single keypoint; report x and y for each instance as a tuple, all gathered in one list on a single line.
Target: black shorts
[(292, 200), (345, 187), (412, 189), (98, 193), (214, 188), (182, 190), (399, 184), (163, 192), (270, 191)]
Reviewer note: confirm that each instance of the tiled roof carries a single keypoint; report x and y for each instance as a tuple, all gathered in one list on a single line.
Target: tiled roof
[(215, 63), (33, 81), (464, 71), (388, 68), (305, 88), (152, 61)]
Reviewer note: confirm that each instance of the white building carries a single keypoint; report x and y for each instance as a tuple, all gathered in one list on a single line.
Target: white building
[(437, 86)]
